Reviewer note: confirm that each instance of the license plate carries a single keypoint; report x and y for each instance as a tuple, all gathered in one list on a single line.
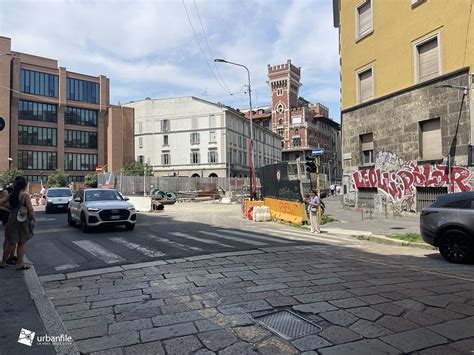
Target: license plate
[(62, 206), (114, 217)]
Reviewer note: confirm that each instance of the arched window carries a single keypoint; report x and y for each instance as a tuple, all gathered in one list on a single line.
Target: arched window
[(195, 175), (280, 122), (280, 108), (212, 175)]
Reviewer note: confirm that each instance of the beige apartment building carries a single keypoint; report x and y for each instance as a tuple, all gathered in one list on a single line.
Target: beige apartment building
[(59, 120)]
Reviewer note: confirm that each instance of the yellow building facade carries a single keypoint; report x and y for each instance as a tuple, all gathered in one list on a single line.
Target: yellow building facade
[(390, 43), (407, 99)]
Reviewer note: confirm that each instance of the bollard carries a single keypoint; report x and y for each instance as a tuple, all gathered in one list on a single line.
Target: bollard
[(362, 212)]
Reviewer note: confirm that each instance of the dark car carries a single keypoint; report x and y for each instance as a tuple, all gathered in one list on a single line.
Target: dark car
[(448, 224)]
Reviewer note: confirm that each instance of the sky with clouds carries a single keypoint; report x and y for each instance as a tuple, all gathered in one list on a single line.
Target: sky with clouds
[(148, 47)]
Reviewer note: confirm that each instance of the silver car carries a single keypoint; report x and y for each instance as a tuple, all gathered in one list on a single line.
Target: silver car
[(448, 224), (98, 207), (57, 199)]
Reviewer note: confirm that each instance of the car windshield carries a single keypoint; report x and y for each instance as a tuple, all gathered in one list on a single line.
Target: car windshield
[(102, 195), (59, 193)]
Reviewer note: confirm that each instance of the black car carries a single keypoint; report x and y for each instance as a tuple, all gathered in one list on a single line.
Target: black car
[(448, 224)]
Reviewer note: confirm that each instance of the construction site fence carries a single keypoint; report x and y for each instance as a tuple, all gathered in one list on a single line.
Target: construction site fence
[(183, 186)]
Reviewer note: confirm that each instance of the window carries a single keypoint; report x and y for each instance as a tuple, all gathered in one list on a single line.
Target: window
[(296, 142), (281, 131), (140, 127), (80, 116), (195, 157), (29, 110), (280, 122), (240, 141), (367, 148), (280, 92), (140, 142), (212, 156), (365, 88), (34, 160), (30, 135), (427, 60), (280, 108), (165, 139), (141, 159), (80, 139), (430, 139), (364, 19), (75, 179), (165, 158), (165, 125), (80, 162), (81, 90), (212, 137), (33, 82), (194, 137)]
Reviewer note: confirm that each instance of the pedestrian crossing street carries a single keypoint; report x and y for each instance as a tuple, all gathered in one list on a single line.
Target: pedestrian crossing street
[(114, 248)]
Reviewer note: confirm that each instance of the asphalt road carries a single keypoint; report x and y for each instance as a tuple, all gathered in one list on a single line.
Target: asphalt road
[(181, 231)]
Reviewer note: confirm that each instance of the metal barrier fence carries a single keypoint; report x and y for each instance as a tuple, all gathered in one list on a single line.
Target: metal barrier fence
[(183, 186)]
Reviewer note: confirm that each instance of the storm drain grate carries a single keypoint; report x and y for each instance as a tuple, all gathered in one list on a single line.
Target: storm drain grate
[(287, 324)]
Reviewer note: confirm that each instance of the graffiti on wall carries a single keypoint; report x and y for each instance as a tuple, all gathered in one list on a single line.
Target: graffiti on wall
[(399, 179)]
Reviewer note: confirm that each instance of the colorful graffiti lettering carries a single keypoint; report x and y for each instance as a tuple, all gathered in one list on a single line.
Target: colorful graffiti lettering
[(400, 184)]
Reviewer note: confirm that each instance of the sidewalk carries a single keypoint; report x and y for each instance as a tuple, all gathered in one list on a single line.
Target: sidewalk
[(17, 311), (352, 222)]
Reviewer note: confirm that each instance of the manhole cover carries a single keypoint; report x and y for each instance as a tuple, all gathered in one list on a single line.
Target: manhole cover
[(397, 228), (287, 324)]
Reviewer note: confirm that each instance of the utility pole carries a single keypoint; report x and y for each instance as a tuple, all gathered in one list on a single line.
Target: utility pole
[(318, 189)]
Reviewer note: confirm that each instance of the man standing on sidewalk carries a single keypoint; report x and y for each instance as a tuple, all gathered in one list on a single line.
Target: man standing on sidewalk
[(313, 211)]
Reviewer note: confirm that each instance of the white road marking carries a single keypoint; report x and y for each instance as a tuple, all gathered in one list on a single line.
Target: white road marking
[(304, 236), (176, 244), (256, 236), (235, 239), (138, 248), (98, 251), (66, 267), (206, 241), (44, 219)]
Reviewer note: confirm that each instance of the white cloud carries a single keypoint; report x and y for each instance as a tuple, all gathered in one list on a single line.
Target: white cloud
[(147, 47)]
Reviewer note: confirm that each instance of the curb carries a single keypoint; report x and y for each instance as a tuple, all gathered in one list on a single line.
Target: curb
[(391, 241), (50, 317)]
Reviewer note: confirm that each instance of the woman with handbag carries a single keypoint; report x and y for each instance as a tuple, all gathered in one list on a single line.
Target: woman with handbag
[(20, 223)]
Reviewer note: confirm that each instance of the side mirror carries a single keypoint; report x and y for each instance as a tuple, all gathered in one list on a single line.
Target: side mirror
[(77, 199), (125, 198)]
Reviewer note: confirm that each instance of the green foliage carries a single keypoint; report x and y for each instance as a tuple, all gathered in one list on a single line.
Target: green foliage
[(327, 219), (8, 176), (137, 169), (58, 179), (408, 237), (90, 180)]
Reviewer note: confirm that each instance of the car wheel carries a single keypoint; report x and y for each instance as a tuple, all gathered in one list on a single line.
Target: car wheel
[(456, 246), (70, 221), (130, 226), (84, 227)]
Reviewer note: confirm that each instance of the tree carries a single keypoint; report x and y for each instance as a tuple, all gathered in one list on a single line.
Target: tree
[(90, 180), (8, 176), (137, 169), (58, 179)]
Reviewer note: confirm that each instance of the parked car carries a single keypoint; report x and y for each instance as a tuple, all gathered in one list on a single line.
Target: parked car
[(57, 199), (448, 224), (98, 207)]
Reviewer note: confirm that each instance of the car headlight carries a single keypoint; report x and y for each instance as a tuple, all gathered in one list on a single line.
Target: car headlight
[(50, 201), (131, 208), (92, 209)]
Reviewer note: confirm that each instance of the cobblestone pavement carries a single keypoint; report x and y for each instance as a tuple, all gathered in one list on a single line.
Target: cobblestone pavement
[(210, 304)]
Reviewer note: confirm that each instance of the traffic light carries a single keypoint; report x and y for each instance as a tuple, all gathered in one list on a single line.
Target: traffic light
[(310, 164)]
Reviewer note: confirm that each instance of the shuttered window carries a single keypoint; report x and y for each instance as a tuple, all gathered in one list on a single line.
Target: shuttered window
[(367, 148), (364, 18), (431, 147), (366, 83), (428, 61)]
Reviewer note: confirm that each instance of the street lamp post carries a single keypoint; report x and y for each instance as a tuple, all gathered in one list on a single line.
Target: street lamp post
[(251, 121), (10, 163)]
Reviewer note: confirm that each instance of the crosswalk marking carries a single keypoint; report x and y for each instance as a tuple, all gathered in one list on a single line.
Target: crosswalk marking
[(176, 244), (235, 239), (256, 236), (138, 248), (302, 236), (65, 267), (206, 241), (99, 252)]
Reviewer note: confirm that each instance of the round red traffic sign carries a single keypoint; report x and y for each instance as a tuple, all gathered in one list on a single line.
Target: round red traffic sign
[(98, 169)]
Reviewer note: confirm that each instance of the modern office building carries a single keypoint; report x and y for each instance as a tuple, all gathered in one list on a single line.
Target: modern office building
[(187, 136), (57, 119), (407, 70)]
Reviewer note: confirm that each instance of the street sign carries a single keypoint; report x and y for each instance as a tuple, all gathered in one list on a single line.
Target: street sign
[(98, 169), (317, 152)]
